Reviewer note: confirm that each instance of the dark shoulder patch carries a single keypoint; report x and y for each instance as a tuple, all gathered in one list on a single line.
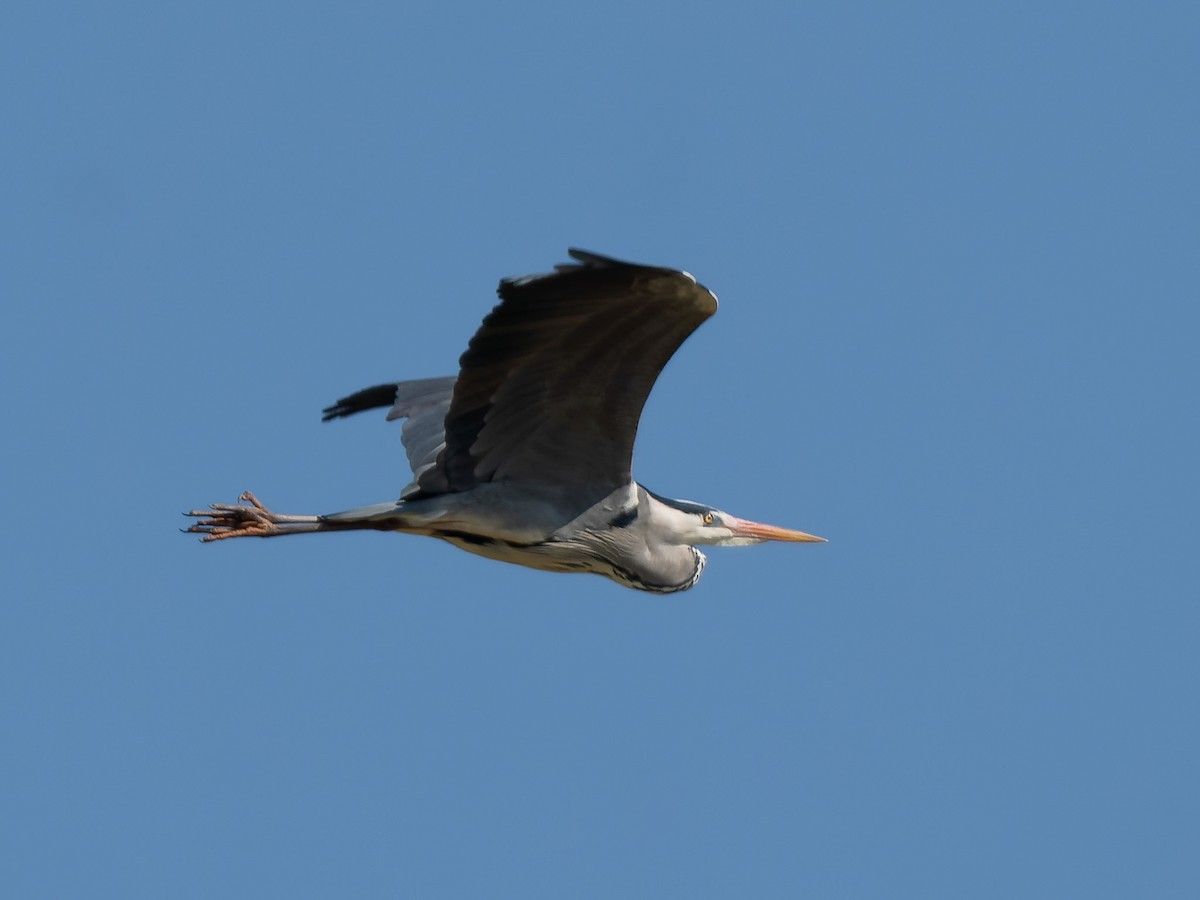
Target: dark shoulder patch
[(624, 518)]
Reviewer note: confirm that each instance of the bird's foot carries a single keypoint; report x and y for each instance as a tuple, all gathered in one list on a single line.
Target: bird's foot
[(224, 520)]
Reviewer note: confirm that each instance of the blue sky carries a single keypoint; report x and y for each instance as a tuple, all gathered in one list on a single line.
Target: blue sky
[(956, 251)]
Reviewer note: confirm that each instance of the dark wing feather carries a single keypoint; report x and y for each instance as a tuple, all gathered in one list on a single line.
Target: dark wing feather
[(552, 385)]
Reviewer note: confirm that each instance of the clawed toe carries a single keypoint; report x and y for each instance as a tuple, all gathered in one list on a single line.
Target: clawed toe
[(228, 520), (248, 518)]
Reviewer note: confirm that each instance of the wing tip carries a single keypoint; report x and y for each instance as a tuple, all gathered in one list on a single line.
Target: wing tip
[(585, 260), (588, 258), (368, 398)]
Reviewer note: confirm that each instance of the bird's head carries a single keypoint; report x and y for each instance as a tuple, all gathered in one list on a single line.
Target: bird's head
[(695, 524)]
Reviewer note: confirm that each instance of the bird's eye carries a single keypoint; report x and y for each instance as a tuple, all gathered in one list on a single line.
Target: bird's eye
[(709, 518)]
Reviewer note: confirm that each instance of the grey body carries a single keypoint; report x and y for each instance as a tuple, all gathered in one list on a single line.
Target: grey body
[(615, 537), (525, 455)]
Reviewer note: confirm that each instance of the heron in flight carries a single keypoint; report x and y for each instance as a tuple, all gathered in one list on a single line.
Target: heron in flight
[(525, 455)]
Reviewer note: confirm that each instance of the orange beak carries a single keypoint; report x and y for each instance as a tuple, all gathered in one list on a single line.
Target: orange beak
[(761, 532)]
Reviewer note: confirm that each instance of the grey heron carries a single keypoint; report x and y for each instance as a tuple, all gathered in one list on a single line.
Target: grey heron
[(525, 456)]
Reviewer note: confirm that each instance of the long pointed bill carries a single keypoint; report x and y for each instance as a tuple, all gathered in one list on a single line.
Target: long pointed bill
[(760, 532)]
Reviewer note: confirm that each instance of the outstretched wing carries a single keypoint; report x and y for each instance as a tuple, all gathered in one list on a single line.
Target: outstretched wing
[(552, 385)]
